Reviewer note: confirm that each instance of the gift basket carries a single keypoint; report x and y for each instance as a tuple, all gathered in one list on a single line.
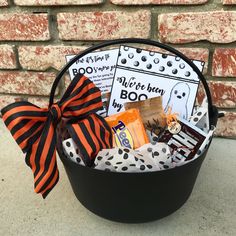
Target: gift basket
[(146, 175)]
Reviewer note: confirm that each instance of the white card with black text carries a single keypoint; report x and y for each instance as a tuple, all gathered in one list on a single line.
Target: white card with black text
[(142, 74), (99, 67)]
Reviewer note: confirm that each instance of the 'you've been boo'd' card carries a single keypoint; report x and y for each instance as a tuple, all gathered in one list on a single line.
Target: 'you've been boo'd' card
[(142, 74)]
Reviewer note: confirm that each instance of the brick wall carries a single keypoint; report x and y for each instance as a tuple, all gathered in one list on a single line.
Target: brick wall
[(35, 35)]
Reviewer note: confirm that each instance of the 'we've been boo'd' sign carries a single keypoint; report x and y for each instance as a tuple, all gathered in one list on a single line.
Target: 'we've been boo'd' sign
[(142, 74)]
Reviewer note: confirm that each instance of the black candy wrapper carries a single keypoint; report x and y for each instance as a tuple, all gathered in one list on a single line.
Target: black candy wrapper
[(186, 142)]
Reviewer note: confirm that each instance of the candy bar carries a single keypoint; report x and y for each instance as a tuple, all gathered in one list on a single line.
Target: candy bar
[(128, 129), (184, 140)]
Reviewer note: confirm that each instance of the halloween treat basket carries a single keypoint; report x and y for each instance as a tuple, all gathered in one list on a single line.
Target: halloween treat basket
[(124, 175), (134, 197)]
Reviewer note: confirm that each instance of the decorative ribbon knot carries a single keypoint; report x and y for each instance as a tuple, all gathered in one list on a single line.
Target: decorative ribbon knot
[(56, 113), (34, 130)]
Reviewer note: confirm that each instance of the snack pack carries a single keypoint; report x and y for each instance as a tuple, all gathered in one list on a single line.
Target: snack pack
[(151, 112)]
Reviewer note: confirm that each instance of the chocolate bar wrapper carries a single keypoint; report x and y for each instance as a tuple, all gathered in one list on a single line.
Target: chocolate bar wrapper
[(186, 143)]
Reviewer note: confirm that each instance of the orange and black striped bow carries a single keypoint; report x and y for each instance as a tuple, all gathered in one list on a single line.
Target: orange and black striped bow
[(34, 129)]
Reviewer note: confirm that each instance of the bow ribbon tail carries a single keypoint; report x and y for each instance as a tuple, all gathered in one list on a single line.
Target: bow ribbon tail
[(92, 134), (34, 132), (42, 158)]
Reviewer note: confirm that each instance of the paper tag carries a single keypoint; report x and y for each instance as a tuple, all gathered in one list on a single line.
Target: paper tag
[(174, 127)]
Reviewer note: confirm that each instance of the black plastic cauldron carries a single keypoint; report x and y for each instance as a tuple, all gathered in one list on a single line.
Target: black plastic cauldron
[(134, 197)]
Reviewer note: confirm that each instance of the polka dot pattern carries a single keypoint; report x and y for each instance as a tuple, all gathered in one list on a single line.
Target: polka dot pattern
[(71, 151), (157, 62), (200, 118), (124, 160), (160, 156), (150, 157)]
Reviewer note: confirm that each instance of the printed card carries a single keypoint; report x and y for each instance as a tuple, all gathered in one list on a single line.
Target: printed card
[(142, 74), (99, 67)]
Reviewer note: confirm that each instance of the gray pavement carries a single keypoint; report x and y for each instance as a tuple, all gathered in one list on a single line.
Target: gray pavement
[(211, 209)]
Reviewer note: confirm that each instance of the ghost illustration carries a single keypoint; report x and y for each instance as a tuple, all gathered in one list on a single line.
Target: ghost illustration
[(178, 99)]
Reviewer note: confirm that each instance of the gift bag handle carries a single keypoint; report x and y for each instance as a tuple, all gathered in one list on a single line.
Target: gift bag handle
[(212, 110)]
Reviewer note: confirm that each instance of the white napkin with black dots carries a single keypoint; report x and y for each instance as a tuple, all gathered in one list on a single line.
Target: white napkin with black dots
[(71, 151), (153, 156), (159, 153), (123, 160), (149, 157)]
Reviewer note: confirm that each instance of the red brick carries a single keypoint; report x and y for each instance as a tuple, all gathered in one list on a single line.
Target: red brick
[(157, 2), (201, 54), (67, 81), (223, 93), (19, 82), (39, 101), (3, 3), (216, 27), (7, 99), (24, 27), (44, 57), (104, 25), (224, 62), (226, 126), (56, 2), (229, 2), (7, 57)]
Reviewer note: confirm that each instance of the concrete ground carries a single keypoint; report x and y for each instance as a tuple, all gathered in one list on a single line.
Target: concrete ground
[(211, 209)]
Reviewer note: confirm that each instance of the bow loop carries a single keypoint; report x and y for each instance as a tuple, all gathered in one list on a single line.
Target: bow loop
[(34, 128)]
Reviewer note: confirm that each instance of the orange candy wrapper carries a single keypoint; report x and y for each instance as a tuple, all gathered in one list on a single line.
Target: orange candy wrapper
[(128, 129)]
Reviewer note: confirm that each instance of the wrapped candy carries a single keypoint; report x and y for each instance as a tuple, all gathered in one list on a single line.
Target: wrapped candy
[(184, 138), (150, 157), (151, 112), (128, 129)]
